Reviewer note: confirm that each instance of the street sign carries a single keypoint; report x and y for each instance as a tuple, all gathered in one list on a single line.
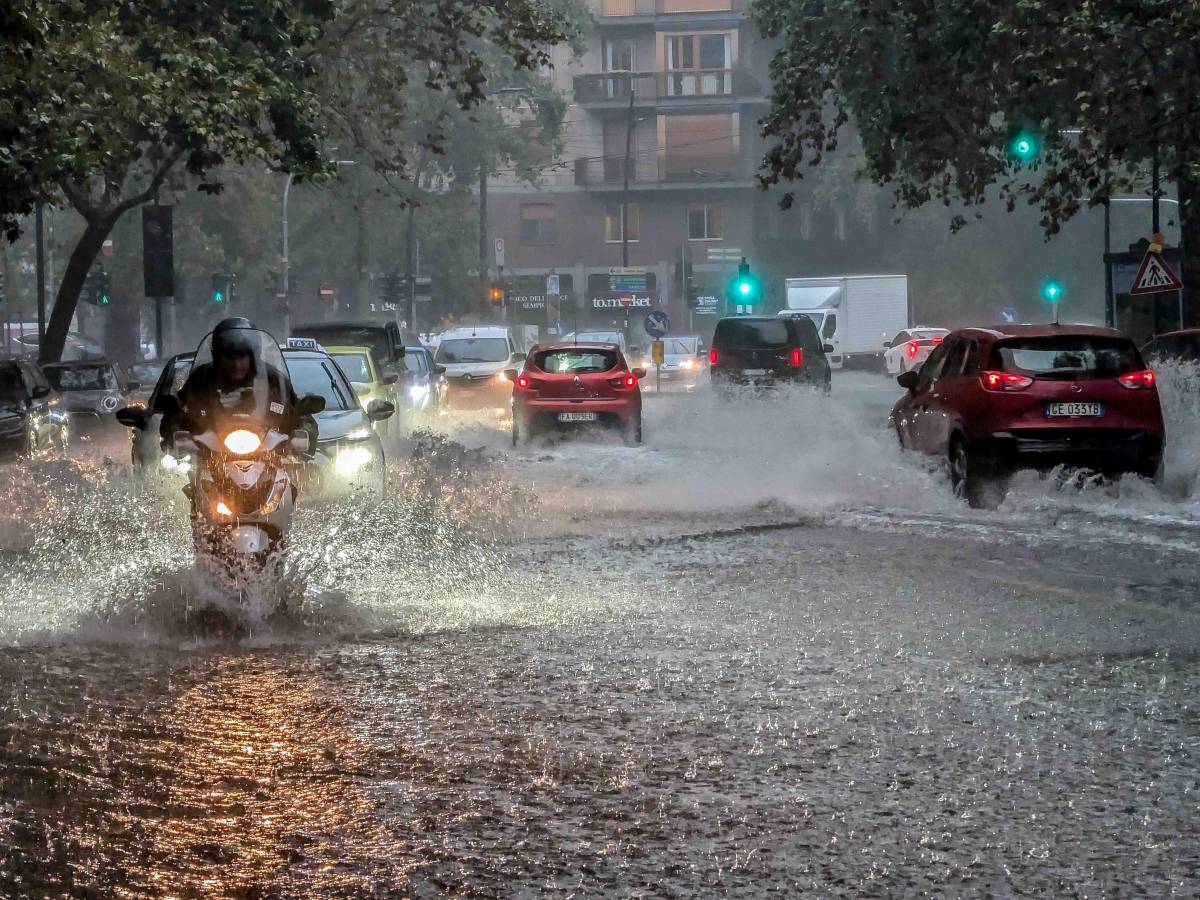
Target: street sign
[(327, 292), (499, 251), (626, 270), (724, 254), (1154, 276), (552, 285), (1008, 316), (658, 353), (657, 324)]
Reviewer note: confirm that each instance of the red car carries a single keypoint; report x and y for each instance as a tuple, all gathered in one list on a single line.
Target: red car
[(566, 385), (993, 400)]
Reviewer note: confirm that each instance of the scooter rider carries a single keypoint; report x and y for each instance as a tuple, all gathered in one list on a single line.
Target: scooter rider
[(227, 384)]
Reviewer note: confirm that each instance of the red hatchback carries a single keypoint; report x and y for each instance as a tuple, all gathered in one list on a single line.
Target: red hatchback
[(992, 400), (567, 385)]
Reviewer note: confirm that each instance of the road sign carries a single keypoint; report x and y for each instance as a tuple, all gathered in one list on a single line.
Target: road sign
[(1008, 316), (658, 352), (724, 254), (552, 285), (499, 251), (1154, 276), (658, 323), (327, 292)]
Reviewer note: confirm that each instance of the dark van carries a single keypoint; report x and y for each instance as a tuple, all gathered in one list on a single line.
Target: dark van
[(768, 350)]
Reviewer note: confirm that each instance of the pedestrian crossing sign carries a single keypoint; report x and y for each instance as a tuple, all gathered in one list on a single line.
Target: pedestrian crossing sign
[(1154, 276)]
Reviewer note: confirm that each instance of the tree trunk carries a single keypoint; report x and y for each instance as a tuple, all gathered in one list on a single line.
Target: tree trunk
[(1189, 229), (82, 258)]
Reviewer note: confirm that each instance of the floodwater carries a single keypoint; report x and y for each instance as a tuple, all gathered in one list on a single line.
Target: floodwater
[(764, 654)]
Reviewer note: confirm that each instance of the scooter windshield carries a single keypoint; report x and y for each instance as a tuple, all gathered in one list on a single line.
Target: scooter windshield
[(245, 377)]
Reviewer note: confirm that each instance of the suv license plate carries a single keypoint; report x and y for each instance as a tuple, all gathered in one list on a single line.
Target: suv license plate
[(577, 417), (754, 371), (1073, 410)]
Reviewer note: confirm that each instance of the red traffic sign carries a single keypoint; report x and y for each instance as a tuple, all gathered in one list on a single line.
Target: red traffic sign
[(1154, 276), (328, 293)]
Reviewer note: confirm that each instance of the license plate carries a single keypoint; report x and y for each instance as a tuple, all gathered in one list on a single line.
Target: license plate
[(754, 371), (577, 417), (1074, 410)]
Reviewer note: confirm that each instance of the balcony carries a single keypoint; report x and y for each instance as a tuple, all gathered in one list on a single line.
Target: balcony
[(647, 9), (661, 171), (682, 86)]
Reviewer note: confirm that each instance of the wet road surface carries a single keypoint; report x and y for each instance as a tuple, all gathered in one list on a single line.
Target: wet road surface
[(763, 655)]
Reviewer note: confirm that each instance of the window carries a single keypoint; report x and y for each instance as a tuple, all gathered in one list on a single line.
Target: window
[(971, 366), (618, 55), (704, 222), (538, 223), (612, 223), (698, 65), (743, 333), (473, 350), (313, 375), (958, 355), (354, 366), (699, 145), (1069, 357), (576, 362), (933, 367), (830, 326)]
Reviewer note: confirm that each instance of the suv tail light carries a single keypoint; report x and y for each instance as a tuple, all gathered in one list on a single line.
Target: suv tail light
[(627, 381), (1135, 381), (797, 358), (523, 382), (713, 356), (1004, 381), (913, 348)]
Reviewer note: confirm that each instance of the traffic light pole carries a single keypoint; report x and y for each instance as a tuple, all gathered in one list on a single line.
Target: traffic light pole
[(625, 191), (40, 254), (284, 260)]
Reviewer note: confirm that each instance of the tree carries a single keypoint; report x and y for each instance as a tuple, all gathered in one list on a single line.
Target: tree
[(940, 92)]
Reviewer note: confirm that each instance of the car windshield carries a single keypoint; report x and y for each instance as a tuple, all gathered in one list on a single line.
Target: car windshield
[(415, 361), (473, 350), (321, 376), (83, 378), (681, 346), (356, 366), (1069, 356), (575, 362), (763, 333), (12, 387)]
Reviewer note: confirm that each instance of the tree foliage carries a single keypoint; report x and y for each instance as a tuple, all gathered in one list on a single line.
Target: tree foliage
[(938, 91)]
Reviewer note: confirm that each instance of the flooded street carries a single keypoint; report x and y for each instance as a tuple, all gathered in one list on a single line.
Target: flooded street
[(763, 655)]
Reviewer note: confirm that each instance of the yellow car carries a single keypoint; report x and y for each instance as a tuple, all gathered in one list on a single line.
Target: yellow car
[(369, 383)]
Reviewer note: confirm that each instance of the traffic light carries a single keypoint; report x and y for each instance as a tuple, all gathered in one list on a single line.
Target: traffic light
[(745, 290), (222, 287), (496, 294), (1052, 290), (1024, 147), (103, 288)]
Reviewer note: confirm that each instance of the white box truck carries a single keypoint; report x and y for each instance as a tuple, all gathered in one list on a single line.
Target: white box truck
[(857, 314)]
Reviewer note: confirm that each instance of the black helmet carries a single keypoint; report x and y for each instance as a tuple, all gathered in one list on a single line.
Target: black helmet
[(234, 336)]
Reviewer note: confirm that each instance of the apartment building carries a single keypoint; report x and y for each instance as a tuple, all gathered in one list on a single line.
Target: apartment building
[(676, 88)]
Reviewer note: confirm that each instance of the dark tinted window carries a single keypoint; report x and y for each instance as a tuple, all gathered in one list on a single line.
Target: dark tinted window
[(350, 336), (415, 361), (957, 355), (754, 333), (575, 362), (1068, 356)]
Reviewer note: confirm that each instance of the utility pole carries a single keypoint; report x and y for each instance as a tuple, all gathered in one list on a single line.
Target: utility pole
[(483, 219), (40, 260), (284, 261), (625, 192), (1110, 313)]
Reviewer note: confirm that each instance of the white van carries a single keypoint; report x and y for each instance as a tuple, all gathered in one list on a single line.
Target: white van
[(475, 358)]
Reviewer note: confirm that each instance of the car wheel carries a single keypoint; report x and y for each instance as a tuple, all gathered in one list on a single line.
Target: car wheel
[(974, 477), (1153, 469)]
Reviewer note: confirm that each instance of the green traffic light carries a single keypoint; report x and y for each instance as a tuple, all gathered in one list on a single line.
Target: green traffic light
[(218, 297), (1052, 291), (744, 288), (1024, 147)]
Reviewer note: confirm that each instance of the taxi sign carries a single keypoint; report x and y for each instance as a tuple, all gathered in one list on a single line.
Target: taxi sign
[(303, 343)]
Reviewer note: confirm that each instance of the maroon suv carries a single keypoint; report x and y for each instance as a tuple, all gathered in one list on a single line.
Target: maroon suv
[(992, 400)]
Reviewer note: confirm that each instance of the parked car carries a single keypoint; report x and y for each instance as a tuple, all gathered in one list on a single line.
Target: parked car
[(567, 385), (91, 391), (1174, 346), (768, 350), (993, 400), (475, 359), (910, 348), (31, 417)]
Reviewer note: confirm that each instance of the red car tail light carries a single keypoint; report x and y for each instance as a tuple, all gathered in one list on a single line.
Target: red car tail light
[(797, 358), (1004, 381), (628, 381), (937, 339), (523, 382), (631, 381), (913, 347), (713, 356), (1135, 381)]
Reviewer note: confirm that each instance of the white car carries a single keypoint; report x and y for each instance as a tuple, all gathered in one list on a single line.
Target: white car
[(909, 349), (475, 358)]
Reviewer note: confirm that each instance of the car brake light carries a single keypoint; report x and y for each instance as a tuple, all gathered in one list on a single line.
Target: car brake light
[(797, 358), (713, 356), (1135, 381), (1004, 381), (913, 347), (937, 339), (523, 382), (631, 381)]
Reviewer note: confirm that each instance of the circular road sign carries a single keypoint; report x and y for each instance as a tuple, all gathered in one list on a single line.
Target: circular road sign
[(658, 323)]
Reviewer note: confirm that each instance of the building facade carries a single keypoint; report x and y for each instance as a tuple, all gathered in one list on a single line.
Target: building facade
[(663, 115)]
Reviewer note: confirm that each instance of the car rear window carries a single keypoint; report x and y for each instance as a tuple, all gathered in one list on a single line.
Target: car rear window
[(573, 361), (349, 336), (1178, 347), (761, 333), (89, 378), (1068, 356)]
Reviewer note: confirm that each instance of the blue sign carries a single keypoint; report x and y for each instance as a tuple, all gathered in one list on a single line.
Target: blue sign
[(1008, 316), (658, 323)]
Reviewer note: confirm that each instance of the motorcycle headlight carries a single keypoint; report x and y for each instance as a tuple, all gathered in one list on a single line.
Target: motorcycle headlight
[(242, 442), (350, 460)]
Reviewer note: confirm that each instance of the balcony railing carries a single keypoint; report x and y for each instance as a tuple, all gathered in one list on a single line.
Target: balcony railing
[(673, 85), (616, 9), (657, 168)]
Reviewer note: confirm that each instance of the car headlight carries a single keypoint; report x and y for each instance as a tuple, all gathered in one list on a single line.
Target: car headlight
[(420, 391), (500, 376), (688, 364), (242, 442), (359, 434), (350, 460)]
